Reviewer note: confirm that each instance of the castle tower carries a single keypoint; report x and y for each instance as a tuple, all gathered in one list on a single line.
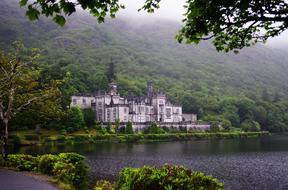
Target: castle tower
[(113, 88)]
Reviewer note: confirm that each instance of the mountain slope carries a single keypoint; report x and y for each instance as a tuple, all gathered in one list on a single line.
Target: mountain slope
[(145, 51)]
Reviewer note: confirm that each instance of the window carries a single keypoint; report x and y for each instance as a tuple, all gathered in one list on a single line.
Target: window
[(114, 113), (147, 110), (125, 118), (147, 118), (74, 101), (161, 108), (84, 101), (108, 114), (139, 109), (177, 111), (125, 110), (168, 113), (99, 103)]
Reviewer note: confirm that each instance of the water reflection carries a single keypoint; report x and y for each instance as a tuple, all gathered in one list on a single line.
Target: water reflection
[(228, 146), (256, 163)]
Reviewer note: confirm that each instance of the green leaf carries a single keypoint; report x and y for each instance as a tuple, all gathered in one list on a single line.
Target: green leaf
[(22, 3), (59, 20), (32, 13), (68, 8), (95, 12)]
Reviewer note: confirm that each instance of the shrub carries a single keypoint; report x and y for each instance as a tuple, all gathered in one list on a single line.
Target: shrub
[(67, 167), (100, 129), (117, 125), (214, 127), (226, 124), (129, 128), (46, 163), (71, 157), (153, 129), (22, 162), (133, 138), (73, 170), (103, 185), (108, 128), (165, 178), (250, 125)]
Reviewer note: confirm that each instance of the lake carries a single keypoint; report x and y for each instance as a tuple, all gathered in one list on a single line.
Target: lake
[(254, 163)]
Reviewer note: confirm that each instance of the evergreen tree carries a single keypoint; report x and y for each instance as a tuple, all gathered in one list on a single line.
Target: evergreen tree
[(129, 128), (89, 117), (117, 125), (75, 120)]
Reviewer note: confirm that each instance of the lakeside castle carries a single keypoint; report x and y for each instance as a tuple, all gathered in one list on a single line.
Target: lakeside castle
[(140, 110)]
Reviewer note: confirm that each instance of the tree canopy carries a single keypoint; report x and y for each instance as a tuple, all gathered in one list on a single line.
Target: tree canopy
[(232, 24), (22, 86)]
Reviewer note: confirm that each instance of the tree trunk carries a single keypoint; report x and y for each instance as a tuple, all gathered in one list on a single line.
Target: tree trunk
[(5, 139), (2, 138)]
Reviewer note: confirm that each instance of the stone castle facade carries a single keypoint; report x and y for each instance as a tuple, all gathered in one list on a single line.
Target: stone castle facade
[(140, 110)]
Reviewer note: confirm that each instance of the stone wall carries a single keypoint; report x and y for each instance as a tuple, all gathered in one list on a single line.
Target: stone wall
[(188, 126)]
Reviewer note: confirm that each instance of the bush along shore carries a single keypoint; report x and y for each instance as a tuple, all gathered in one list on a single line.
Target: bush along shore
[(70, 170), (166, 177), (129, 138)]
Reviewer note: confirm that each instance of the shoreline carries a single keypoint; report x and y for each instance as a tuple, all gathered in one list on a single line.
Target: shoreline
[(34, 140)]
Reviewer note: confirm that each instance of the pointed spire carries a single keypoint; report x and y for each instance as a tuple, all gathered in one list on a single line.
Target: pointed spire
[(111, 102)]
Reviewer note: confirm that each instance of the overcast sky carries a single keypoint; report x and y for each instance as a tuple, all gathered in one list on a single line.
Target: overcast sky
[(170, 9), (174, 10)]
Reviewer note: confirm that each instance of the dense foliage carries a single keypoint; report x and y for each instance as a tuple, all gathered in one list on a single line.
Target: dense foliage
[(129, 128), (89, 117), (165, 178), (59, 9), (22, 86), (232, 24), (67, 167), (229, 89), (153, 129), (91, 137)]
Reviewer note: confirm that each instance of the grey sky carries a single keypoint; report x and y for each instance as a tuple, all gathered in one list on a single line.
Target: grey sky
[(173, 10), (170, 9)]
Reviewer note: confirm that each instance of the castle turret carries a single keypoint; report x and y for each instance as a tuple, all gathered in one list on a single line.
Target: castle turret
[(113, 88)]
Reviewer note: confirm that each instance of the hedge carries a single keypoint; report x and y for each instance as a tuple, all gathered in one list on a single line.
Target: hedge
[(69, 168), (165, 178)]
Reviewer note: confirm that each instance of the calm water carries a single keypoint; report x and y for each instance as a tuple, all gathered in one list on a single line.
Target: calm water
[(260, 163)]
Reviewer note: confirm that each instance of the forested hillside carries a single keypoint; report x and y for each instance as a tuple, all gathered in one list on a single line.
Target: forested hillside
[(232, 88)]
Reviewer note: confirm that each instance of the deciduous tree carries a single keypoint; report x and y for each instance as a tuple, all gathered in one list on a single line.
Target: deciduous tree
[(21, 85)]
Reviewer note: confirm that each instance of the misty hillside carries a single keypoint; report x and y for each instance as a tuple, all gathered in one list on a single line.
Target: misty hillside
[(145, 51)]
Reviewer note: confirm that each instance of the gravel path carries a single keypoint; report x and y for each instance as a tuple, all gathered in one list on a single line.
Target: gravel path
[(11, 180)]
